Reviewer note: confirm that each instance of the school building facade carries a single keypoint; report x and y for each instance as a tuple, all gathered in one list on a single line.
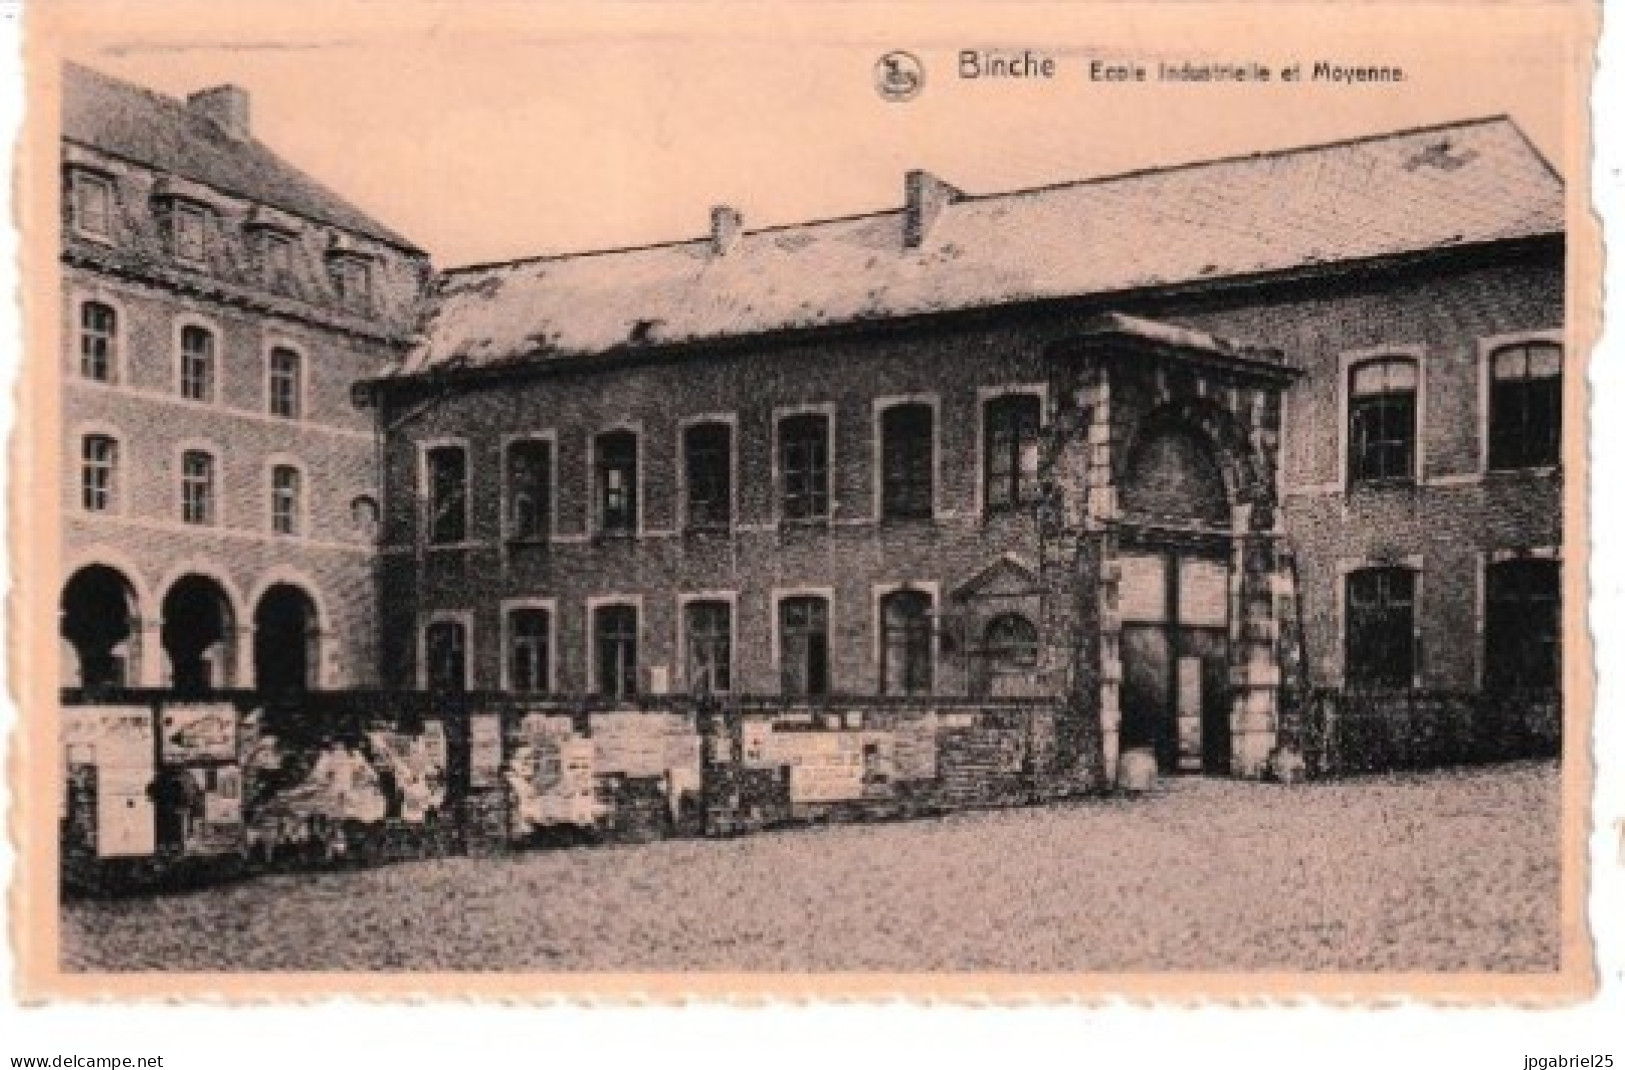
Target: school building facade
[(219, 492), (1163, 447)]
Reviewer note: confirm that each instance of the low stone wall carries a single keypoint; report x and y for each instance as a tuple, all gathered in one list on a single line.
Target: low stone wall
[(157, 786)]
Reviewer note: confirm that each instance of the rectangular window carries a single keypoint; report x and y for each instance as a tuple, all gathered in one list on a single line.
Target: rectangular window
[(197, 487), (618, 483), (1382, 421), (615, 641), (530, 501), (197, 364), (708, 629), (905, 643), (1380, 619), (92, 205), (804, 466), (708, 460), (276, 258), (907, 467), (1522, 624), (1526, 405), (187, 228), (99, 460), (284, 385), (445, 646), (351, 279), (529, 651), (98, 337), (448, 494), (285, 500), (804, 646), (1011, 445)]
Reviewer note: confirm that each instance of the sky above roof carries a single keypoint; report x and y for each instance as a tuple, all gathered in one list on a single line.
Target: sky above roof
[(544, 129)]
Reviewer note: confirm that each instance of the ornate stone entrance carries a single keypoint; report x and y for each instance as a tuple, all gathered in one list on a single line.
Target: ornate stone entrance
[(1165, 570)]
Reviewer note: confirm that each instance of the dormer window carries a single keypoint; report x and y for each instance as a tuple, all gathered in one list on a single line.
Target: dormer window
[(276, 257), (187, 229), (350, 275), (92, 205)]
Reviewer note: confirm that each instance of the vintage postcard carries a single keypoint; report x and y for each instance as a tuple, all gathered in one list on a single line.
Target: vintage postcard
[(1015, 501)]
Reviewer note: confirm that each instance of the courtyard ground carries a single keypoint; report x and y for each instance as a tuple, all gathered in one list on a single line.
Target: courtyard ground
[(1455, 870)]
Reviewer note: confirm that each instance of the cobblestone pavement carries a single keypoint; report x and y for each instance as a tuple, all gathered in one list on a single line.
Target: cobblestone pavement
[(1441, 871)]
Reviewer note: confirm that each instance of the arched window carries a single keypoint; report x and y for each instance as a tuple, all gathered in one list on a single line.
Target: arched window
[(197, 363), (907, 467), (285, 386), (804, 467), (1010, 643), (617, 483), (98, 342), (708, 472), (530, 498), (197, 487), (445, 648), (1522, 624), (1010, 444), (529, 653), (1380, 628), (615, 641), (98, 480), (286, 518), (708, 633), (1382, 420), (1526, 405), (905, 643), (804, 646)]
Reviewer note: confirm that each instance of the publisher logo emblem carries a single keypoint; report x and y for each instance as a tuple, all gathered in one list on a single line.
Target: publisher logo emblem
[(899, 76)]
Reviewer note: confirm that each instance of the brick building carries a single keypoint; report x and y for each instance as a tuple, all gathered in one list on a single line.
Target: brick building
[(220, 495), (1158, 444)]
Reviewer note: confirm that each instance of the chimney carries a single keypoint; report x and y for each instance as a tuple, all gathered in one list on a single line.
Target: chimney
[(726, 226), (925, 196), (226, 106)]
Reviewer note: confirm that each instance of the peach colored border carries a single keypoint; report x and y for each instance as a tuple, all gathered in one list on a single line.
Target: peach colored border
[(35, 535)]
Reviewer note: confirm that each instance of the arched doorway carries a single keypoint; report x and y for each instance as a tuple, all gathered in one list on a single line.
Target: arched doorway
[(286, 651), (100, 621), (199, 634), (1174, 598)]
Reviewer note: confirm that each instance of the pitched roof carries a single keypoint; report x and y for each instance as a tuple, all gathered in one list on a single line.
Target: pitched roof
[(161, 132), (1433, 188)]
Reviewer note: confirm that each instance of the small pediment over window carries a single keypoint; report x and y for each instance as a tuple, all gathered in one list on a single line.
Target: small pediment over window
[(1007, 577)]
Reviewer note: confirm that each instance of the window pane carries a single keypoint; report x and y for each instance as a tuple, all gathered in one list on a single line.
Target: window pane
[(285, 500), (285, 383), (197, 487), (906, 462), (616, 640), (92, 204), (804, 646), (1522, 624), (708, 626), (448, 495), (906, 640), (446, 648), (617, 482), (529, 668), (529, 489), (804, 465), (98, 331), (1545, 360), (1525, 417), (709, 470), (1011, 446), (1379, 627), (99, 459)]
